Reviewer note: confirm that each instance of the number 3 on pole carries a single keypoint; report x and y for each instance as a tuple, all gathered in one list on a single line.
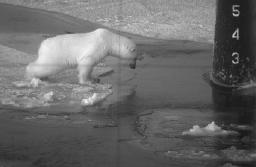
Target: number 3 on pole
[(235, 58)]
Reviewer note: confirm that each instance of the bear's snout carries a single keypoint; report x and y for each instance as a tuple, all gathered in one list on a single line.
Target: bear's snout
[(133, 64), (28, 72)]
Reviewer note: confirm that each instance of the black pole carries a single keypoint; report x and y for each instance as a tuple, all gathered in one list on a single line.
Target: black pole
[(235, 43)]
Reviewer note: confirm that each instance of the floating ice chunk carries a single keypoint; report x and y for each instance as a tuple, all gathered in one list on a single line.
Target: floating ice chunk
[(213, 127), (210, 130), (192, 154), (253, 155), (242, 127), (49, 97), (95, 98)]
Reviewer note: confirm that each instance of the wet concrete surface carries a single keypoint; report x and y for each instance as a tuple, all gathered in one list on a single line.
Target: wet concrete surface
[(141, 124)]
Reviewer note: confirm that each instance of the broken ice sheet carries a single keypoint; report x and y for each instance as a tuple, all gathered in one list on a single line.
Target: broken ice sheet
[(35, 117), (229, 165), (239, 155), (210, 130), (192, 154)]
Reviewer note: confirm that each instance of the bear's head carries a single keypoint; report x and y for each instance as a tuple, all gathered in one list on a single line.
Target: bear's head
[(133, 56), (33, 70), (127, 50)]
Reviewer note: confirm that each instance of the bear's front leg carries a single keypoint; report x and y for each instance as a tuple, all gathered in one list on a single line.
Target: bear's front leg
[(84, 74)]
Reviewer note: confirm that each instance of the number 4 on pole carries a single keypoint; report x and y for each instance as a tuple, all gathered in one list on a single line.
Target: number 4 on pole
[(235, 35)]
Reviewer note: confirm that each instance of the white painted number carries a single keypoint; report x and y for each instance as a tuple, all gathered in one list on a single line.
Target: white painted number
[(235, 58), (236, 11), (236, 34)]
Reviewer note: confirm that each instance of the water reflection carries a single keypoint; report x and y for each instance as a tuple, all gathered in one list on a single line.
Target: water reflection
[(236, 110), (238, 104)]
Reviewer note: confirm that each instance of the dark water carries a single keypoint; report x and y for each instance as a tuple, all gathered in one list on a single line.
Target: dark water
[(170, 88)]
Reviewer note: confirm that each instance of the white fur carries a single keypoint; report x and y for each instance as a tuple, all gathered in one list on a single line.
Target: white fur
[(83, 51)]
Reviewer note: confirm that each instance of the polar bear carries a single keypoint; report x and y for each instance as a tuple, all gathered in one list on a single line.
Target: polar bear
[(82, 50)]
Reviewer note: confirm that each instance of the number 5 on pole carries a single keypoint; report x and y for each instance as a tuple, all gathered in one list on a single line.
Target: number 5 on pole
[(236, 11)]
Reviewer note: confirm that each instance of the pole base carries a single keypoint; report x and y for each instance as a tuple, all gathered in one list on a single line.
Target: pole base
[(246, 85)]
